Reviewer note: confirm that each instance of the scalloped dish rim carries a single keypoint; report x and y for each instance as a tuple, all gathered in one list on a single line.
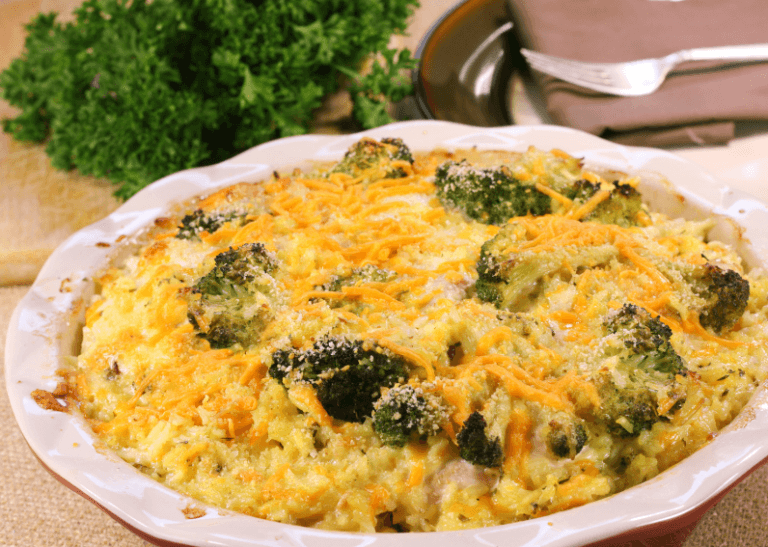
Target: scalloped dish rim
[(45, 324)]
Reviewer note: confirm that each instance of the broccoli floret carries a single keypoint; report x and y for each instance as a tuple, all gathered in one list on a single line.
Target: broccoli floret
[(404, 412), (627, 410), (237, 266), (476, 446), (565, 434), (368, 153), (718, 295), (364, 274), (488, 195), (193, 224), (648, 371), (554, 169), (647, 339), (358, 276), (348, 375), (402, 152), (725, 293), (506, 278), (232, 303), (620, 207)]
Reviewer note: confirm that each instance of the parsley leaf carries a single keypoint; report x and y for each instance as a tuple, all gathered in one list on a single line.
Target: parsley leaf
[(136, 90), (387, 81)]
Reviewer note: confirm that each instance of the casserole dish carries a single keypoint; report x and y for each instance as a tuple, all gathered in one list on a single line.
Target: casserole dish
[(44, 330)]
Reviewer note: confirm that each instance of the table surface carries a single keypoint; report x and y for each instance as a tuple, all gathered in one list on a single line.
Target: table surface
[(36, 510)]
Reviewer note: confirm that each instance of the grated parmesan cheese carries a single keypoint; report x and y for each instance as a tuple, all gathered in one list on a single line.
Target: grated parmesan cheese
[(217, 424)]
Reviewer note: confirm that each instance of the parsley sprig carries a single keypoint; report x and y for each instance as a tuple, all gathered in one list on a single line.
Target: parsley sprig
[(135, 90)]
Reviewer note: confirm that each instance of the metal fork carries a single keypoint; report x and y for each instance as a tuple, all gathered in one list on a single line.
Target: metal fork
[(641, 77)]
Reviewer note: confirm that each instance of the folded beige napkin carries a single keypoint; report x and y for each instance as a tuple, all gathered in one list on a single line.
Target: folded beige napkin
[(696, 105)]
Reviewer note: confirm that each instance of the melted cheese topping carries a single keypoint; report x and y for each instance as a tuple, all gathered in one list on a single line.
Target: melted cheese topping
[(214, 424)]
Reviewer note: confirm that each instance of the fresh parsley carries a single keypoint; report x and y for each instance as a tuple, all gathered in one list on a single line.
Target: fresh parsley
[(133, 90)]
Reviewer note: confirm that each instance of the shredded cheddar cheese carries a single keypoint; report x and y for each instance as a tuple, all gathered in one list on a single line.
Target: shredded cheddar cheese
[(198, 370)]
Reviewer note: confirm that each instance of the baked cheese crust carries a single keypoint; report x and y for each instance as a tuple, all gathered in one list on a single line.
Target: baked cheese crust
[(385, 362)]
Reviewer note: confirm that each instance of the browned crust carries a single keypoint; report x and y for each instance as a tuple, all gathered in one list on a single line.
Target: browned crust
[(47, 400), (193, 512)]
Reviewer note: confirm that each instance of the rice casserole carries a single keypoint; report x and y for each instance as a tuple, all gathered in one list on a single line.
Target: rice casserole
[(419, 341)]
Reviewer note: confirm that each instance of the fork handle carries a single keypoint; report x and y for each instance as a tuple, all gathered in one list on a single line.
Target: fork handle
[(754, 52)]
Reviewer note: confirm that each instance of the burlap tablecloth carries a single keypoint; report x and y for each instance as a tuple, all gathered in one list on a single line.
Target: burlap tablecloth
[(35, 509)]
